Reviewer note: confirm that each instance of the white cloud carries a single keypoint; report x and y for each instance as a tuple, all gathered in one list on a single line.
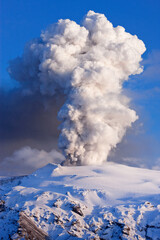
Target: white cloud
[(26, 160), (89, 65)]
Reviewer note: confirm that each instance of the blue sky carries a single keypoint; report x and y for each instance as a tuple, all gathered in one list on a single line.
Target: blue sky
[(22, 20)]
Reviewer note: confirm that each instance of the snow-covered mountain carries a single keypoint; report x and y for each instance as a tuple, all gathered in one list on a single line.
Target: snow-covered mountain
[(85, 202)]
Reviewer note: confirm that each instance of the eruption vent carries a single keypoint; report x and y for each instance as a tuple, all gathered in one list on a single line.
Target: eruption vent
[(88, 64)]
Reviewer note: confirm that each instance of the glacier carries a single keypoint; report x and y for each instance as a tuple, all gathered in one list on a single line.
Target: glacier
[(111, 201)]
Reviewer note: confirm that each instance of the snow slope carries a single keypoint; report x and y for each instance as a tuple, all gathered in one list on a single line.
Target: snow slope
[(112, 201)]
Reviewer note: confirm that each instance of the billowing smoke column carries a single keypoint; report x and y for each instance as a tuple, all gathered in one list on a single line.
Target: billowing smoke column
[(88, 64)]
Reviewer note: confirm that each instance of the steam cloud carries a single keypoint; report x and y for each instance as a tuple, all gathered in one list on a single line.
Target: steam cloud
[(88, 64), (26, 160)]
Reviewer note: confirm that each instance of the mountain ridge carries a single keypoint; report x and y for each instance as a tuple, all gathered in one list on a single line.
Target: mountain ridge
[(112, 201)]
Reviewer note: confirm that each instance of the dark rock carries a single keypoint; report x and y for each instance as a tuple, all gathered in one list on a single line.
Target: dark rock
[(2, 205), (77, 209)]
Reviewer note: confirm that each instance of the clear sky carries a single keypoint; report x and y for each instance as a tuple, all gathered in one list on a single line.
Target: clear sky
[(22, 20)]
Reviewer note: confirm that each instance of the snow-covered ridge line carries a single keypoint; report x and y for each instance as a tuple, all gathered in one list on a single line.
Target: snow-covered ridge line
[(101, 202)]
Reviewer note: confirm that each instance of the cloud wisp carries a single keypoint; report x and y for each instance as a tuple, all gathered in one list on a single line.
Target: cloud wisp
[(26, 160)]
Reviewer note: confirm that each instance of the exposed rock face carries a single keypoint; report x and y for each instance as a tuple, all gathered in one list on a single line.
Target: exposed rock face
[(2, 205), (77, 209), (121, 222), (28, 229)]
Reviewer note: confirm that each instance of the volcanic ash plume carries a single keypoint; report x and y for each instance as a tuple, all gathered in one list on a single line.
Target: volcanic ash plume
[(88, 64)]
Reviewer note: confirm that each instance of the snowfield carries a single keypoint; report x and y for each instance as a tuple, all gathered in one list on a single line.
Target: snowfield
[(112, 201)]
